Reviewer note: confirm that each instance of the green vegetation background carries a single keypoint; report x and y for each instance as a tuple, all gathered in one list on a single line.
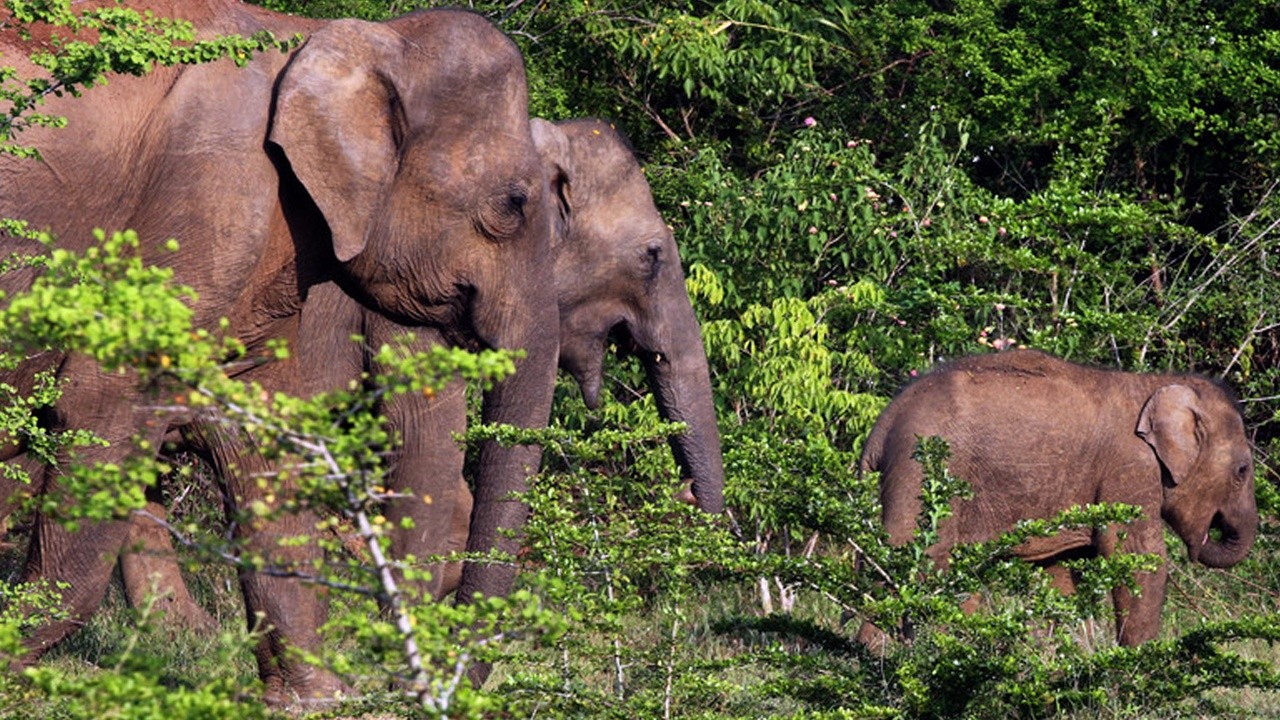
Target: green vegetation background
[(860, 190)]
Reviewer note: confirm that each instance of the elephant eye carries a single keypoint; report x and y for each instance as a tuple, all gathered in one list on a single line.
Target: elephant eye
[(653, 261), (1242, 471), (516, 200), (503, 216)]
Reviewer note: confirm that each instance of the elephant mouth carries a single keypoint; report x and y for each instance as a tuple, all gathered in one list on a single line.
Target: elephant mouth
[(454, 317), (451, 312), (584, 358), (1219, 532), (1223, 544), (623, 337)]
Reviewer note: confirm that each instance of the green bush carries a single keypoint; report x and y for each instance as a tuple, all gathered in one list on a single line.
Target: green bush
[(859, 191)]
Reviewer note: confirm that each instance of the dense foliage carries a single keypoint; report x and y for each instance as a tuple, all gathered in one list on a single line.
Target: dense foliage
[(859, 190)]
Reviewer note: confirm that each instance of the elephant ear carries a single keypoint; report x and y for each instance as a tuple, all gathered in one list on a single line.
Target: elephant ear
[(557, 159), (336, 121), (1170, 424)]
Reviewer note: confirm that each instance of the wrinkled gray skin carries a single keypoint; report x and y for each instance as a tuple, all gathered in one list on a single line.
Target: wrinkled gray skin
[(376, 160), (1034, 435), (617, 276)]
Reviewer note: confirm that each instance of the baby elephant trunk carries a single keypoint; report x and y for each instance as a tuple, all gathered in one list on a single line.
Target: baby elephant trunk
[(1230, 539)]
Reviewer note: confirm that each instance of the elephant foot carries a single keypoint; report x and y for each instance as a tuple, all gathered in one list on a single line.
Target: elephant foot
[(312, 689), (875, 640), (187, 616), (478, 673)]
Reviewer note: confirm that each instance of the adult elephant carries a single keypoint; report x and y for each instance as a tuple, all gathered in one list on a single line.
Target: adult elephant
[(1034, 435), (617, 279), (392, 162)]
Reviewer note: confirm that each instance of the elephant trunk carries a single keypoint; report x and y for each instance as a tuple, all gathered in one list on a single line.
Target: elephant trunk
[(522, 400), (1235, 538), (681, 384)]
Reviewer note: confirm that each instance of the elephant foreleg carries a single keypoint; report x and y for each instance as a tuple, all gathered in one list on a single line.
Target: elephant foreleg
[(1138, 615), (428, 475)]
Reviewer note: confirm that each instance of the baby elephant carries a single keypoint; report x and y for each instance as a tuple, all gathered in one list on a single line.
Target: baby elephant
[(1034, 435)]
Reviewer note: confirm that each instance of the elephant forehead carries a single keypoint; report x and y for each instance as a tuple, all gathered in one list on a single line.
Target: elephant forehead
[(491, 62), (1225, 455), (460, 167)]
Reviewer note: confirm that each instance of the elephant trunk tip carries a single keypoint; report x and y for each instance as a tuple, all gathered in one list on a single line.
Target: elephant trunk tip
[(1224, 544), (709, 495), (710, 501), (591, 395), (686, 496)]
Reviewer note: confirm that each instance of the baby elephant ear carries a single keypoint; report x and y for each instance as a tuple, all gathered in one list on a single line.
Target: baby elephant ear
[(335, 122), (1169, 423)]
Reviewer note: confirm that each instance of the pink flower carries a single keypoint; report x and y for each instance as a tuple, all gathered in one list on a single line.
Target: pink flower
[(810, 122), (813, 230)]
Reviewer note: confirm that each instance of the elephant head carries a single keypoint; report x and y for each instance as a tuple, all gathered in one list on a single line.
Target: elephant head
[(1197, 434), (434, 208), (618, 278), (420, 158)]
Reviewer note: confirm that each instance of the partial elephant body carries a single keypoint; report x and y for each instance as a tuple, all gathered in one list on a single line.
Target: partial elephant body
[(427, 466), (377, 160), (1034, 435)]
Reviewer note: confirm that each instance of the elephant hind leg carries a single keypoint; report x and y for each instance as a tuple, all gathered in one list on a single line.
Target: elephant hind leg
[(77, 564), (900, 481)]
